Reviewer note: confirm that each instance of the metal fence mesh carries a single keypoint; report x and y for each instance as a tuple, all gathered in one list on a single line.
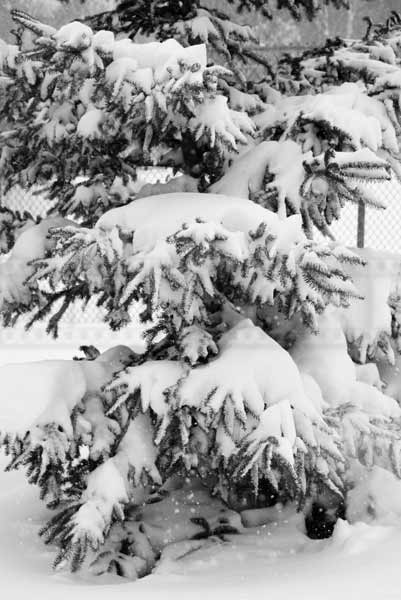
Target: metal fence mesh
[(382, 227), (84, 324), (34, 200)]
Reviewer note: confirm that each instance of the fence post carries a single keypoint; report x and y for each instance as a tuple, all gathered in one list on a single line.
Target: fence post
[(360, 238)]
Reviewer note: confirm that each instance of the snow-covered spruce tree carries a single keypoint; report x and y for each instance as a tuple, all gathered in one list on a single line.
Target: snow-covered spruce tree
[(224, 398)]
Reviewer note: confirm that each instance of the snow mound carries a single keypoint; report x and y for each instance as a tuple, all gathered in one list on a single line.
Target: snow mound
[(391, 376), (45, 392), (367, 319), (358, 538), (324, 357), (32, 244), (33, 390), (284, 159), (375, 496)]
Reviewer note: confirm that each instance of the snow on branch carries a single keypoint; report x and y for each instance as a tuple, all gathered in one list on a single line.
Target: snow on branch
[(374, 63), (320, 151), (180, 253), (243, 397), (369, 325), (32, 243), (84, 104), (58, 430)]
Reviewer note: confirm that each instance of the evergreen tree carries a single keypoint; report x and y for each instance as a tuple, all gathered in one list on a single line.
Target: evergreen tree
[(246, 382)]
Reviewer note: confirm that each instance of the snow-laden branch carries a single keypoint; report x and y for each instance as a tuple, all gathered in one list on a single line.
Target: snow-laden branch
[(179, 254), (85, 104)]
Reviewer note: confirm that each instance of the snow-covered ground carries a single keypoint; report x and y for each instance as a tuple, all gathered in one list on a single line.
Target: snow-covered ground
[(361, 561)]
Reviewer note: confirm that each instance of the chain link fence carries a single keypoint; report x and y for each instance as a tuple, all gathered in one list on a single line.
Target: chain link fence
[(84, 324), (381, 228)]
